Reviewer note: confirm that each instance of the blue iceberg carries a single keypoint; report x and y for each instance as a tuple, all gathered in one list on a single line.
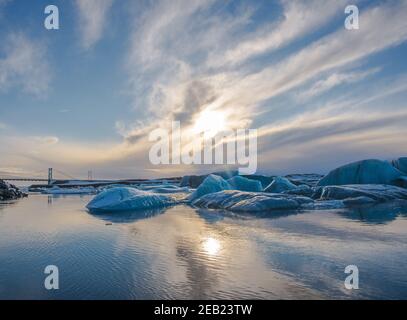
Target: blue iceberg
[(211, 184), (244, 184), (359, 193), (128, 199), (363, 172), (401, 164), (280, 184), (240, 201)]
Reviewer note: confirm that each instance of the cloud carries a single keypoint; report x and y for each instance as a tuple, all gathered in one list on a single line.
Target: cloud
[(92, 16), (299, 18), (334, 80), (24, 65), (48, 140)]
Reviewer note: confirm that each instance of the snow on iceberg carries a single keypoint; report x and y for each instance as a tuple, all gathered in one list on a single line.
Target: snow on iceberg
[(359, 193), (244, 184), (211, 184), (240, 201), (279, 185), (363, 172), (128, 199)]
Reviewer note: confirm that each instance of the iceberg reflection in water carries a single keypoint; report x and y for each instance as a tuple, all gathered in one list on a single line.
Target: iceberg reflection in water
[(186, 253)]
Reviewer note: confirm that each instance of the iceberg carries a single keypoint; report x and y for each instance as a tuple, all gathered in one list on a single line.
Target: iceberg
[(211, 184), (353, 194), (358, 201), (244, 184), (302, 190), (264, 180), (241, 201), (363, 172), (400, 164), (279, 185), (310, 179), (166, 188), (128, 199), (196, 181)]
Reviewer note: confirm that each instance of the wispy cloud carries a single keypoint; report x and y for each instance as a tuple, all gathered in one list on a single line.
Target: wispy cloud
[(24, 65), (299, 18), (334, 80), (93, 16)]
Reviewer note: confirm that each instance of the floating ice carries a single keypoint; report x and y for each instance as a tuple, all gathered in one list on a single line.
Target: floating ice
[(244, 184), (358, 201), (211, 184), (302, 190), (279, 185), (376, 192), (240, 201), (166, 188), (363, 172), (128, 199), (67, 191)]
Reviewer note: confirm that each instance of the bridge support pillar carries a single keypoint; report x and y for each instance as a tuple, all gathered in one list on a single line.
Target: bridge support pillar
[(49, 176)]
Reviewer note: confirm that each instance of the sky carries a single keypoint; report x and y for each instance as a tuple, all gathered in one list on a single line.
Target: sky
[(87, 96)]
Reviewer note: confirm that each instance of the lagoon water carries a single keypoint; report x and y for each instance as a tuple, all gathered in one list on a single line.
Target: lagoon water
[(187, 253)]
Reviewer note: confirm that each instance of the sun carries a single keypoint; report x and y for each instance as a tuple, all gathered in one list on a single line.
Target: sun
[(210, 123)]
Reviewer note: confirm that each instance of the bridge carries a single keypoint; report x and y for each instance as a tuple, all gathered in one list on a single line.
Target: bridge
[(25, 179), (49, 180), (69, 181)]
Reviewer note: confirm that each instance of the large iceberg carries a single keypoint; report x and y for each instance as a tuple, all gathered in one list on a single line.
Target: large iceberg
[(240, 201), (128, 199), (244, 184), (279, 185), (211, 184), (363, 172), (359, 194)]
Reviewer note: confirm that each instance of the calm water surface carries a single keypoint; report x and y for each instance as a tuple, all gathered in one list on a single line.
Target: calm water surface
[(185, 253)]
